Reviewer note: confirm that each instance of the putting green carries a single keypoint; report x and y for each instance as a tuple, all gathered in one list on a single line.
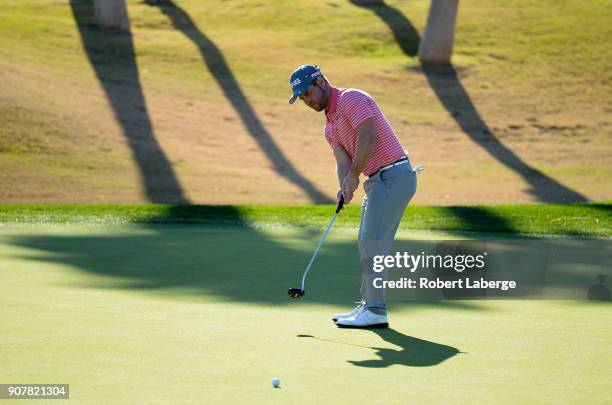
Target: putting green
[(194, 314)]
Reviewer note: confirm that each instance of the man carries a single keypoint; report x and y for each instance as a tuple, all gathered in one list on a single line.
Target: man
[(363, 143)]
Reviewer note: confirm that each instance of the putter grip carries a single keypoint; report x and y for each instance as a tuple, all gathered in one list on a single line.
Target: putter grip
[(340, 204)]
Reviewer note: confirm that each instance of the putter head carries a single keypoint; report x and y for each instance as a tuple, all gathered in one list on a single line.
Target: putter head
[(295, 292)]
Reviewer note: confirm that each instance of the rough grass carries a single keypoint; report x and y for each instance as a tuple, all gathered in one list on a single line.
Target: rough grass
[(538, 73), (582, 220), (530, 39)]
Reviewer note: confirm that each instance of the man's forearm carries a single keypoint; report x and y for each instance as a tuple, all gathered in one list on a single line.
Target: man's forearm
[(342, 168), (365, 149)]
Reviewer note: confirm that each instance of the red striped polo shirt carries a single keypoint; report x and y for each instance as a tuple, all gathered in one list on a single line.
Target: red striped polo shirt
[(348, 109)]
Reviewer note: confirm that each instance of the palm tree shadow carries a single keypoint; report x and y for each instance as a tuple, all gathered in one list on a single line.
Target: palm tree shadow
[(405, 34), (451, 93), (216, 64), (111, 54), (444, 81)]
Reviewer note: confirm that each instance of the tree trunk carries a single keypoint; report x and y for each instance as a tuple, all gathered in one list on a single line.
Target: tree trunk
[(112, 14), (437, 43)]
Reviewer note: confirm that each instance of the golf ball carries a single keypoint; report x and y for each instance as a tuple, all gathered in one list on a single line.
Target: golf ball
[(275, 382)]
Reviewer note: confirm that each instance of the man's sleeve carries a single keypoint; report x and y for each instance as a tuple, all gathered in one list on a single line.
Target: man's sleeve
[(357, 107), (328, 137)]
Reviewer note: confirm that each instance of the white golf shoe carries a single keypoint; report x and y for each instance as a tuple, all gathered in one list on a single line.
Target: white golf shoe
[(365, 319), (354, 312)]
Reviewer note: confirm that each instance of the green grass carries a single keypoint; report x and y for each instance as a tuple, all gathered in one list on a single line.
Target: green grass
[(542, 67), (179, 312), (194, 314), (572, 219), (518, 44)]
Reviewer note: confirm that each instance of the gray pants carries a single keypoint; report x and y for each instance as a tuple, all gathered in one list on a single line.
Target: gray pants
[(387, 196)]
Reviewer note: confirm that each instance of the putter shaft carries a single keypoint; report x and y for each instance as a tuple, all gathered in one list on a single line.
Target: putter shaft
[(317, 249)]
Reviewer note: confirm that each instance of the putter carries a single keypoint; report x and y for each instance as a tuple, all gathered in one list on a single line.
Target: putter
[(299, 292)]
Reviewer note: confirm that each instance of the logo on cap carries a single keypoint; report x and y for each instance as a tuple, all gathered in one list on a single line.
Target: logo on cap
[(301, 78)]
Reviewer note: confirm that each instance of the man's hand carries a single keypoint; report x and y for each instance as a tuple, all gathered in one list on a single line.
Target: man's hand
[(349, 185), (348, 169)]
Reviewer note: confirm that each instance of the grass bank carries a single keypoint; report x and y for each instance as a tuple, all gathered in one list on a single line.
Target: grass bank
[(572, 219)]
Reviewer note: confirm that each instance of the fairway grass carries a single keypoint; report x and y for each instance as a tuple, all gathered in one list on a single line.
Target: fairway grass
[(522, 117), (199, 314)]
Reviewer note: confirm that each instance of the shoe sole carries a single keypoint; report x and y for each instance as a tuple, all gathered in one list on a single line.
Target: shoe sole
[(373, 326)]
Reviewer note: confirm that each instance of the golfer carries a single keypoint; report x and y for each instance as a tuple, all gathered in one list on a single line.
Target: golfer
[(363, 143)]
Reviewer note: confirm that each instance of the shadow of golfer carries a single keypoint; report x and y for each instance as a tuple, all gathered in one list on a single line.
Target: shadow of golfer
[(414, 352), (444, 81), (111, 54), (216, 64)]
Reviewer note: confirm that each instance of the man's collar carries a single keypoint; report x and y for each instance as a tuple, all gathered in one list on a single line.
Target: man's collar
[(333, 100)]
